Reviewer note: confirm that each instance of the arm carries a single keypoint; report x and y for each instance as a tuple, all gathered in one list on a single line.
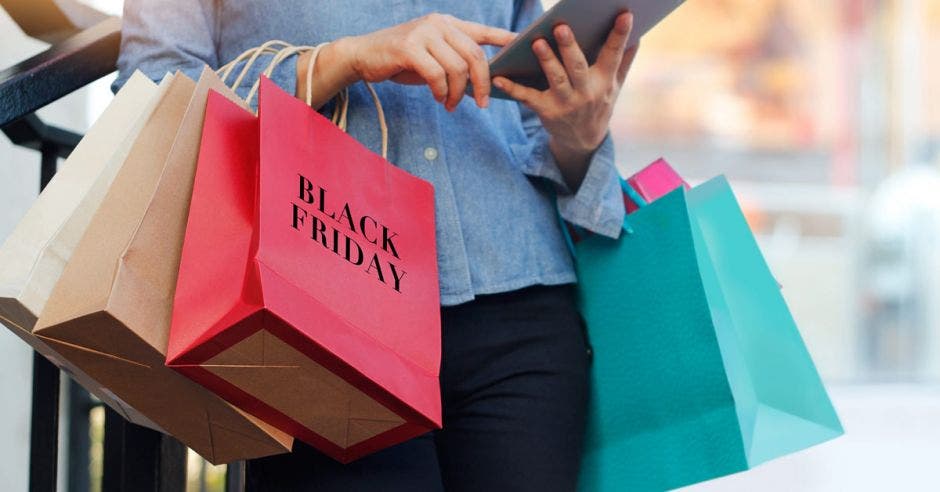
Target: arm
[(567, 123), (160, 36), (438, 50), (163, 36)]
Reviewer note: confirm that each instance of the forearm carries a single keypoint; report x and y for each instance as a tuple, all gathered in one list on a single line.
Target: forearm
[(572, 163), (597, 203), (334, 70)]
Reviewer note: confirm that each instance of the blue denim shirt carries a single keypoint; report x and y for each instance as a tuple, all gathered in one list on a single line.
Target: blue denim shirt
[(495, 179)]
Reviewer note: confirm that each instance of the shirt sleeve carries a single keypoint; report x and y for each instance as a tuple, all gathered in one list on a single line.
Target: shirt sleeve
[(597, 205), (163, 36)]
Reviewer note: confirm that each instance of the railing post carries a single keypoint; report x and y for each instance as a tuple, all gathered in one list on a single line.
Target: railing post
[(80, 405), (44, 426), (235, 477), (140, 459), (44, 423)]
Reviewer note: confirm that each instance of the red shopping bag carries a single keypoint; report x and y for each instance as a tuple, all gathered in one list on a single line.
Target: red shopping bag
[(308, 286)]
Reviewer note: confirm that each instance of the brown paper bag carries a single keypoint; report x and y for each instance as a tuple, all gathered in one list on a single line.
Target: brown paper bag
[(33, 256), (110, 311)]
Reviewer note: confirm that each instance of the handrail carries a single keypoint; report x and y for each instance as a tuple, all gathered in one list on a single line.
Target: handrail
[(59, 71)]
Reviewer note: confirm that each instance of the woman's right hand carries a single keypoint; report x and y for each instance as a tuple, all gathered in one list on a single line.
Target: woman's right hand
[(438, 50)]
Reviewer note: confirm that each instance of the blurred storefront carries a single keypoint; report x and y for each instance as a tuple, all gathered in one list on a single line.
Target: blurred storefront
[(813, 109), (826, 118)]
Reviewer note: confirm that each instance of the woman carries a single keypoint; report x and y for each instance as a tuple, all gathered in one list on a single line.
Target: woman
[(515, 357)]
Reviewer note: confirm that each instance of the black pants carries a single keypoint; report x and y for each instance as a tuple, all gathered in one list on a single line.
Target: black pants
[(514, 378)]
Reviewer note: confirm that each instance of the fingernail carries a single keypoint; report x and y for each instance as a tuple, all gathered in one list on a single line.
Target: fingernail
[(499, 84), (624, 21), (539, 47), (563, 33)]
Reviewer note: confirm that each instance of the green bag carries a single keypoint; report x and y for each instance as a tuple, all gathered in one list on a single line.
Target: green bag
[(699, 369)]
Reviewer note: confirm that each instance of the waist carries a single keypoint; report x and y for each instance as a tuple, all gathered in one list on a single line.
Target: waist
[(534, 296)]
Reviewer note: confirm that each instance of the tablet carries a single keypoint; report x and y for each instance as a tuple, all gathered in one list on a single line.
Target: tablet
[(591, 22)]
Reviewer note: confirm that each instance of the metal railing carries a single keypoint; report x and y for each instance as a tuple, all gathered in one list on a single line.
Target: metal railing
[(134, 458)]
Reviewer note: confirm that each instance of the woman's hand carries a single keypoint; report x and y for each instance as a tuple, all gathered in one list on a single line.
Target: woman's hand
[(576, 108), (438, 50)]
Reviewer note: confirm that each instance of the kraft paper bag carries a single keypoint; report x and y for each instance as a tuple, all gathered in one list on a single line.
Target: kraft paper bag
[(335, 341), (109, 313), (33, 256), (699, 369)]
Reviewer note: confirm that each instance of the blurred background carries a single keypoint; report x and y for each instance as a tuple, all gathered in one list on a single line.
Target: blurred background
[(826, 118)]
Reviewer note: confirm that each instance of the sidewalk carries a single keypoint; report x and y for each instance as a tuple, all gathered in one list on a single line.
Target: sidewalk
[(892, 442)]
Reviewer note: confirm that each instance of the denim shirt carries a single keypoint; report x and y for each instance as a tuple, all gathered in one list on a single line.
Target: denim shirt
[(495, 180)]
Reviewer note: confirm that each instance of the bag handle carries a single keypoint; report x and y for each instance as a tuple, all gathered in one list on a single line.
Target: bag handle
[(635, 197), (282, 50), (251, 55), (337, 118), (279, 58), (343, 102)]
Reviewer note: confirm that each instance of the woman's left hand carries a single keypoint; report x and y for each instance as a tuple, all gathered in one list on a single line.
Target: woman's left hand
[(576, 108)]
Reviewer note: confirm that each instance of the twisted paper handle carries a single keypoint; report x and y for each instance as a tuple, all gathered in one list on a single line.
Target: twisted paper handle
[(252, 54), (281, 51), (342, 107), (279, 58)]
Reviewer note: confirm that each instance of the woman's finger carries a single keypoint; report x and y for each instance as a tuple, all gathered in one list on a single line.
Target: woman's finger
[(612, 52), (526, 95), (479, 69), (626, 62), (553, 69), (456, 68), (432, 72), (482, 34), (571, 54)]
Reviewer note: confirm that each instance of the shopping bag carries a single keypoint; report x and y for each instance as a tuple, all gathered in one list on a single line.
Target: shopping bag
[(651, 183), (34, 254), (699, 369), (307, 291), (110, 311)]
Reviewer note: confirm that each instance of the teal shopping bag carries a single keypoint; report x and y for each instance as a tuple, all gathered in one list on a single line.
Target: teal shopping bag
[(699, 369)]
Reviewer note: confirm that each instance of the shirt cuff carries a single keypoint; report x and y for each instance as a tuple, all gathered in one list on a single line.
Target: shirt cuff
[(598, 204)]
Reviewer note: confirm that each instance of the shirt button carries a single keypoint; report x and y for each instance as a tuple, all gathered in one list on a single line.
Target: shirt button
[(430, 153)]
